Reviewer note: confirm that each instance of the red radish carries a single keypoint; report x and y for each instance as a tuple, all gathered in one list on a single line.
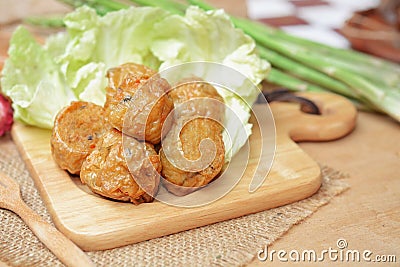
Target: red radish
[(6, 115)]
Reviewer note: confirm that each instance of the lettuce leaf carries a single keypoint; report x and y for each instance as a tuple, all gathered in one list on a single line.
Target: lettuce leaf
[(72, 65), (33, 81)]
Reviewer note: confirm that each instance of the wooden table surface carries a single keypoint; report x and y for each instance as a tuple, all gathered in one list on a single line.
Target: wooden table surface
[(367, 216)]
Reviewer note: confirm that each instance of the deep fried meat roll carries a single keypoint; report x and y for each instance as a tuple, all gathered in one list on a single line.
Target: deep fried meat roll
[(118, 164), (77, 129), (186, 134), (137, 102)]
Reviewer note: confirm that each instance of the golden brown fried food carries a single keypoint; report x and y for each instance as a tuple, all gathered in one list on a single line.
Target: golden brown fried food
[(199, 119), (137, 102), (138, 73), (77, 129), (106, 171), (128, 76)]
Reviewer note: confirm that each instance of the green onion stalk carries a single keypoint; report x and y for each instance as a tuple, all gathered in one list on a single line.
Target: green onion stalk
[(300, 64)]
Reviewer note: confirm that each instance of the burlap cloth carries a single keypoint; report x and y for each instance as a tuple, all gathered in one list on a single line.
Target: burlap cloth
[(229, 243)]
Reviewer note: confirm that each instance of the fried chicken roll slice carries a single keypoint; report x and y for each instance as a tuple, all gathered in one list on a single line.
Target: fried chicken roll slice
[(137, 102), (198, 112), (118, 164), (77, 129), (139, 74)]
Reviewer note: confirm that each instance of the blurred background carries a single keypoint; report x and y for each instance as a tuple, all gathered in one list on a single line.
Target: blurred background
[(319, 20), (371, 26)]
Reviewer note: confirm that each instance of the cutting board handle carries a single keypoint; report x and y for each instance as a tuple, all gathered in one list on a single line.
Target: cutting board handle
[(338, 118)]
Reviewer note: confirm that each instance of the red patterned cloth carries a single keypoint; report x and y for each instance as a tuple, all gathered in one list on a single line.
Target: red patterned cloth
[(318, 20)]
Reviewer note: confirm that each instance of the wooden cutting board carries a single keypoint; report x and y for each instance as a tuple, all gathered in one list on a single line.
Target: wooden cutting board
[(95, 223)]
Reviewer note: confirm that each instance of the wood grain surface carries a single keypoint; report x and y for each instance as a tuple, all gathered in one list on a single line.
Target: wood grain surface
[(95, 223)]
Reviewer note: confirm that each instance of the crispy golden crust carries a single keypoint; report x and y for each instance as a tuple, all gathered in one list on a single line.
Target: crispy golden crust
[(138, 101), (77, 129), (190, 88), (106, 171), (192, 133), (138, 74)]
